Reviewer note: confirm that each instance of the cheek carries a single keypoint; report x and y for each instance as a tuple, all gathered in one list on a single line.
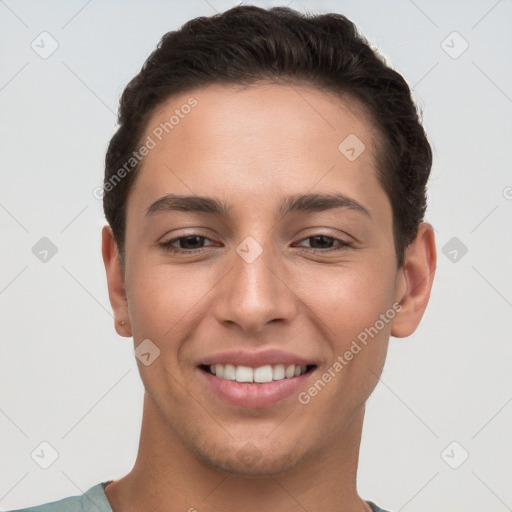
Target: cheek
[(165, 305), (157, 299), (348, 302), (349, 299), (163, 301), (348, 305)]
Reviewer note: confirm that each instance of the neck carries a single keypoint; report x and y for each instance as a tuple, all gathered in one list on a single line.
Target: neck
[(168, 477)]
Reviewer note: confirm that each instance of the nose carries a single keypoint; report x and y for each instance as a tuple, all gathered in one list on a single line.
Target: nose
[(255, 293)]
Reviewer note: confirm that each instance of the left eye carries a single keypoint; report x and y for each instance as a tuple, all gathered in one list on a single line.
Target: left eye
[(194, 243), (319, 242)]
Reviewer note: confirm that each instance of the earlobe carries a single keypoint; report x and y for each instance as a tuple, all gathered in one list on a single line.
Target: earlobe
[(115, 283), (414, 282)]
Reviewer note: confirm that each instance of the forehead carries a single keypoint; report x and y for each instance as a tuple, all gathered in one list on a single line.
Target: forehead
[(263, 139), (294, 111)]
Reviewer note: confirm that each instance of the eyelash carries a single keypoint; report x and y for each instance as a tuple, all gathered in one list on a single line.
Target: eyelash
[(167, 246)]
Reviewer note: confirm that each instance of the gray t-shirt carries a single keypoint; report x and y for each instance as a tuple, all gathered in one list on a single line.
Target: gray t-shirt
[(95, 500)]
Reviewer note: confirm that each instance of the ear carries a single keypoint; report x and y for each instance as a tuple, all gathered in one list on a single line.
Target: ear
[(115, 282), (414, 281)]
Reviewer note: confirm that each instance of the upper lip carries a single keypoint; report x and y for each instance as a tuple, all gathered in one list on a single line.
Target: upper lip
[(255, 359)]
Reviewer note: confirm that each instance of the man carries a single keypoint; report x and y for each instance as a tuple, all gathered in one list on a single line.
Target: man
[(265, 193)]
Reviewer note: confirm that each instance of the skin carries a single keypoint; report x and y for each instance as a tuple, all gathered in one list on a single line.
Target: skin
[(249, 147)]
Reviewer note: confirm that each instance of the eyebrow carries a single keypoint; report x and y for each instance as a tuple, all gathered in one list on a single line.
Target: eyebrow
[(306, 203)]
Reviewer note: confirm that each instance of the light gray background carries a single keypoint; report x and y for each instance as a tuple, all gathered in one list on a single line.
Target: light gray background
[(68, 379)]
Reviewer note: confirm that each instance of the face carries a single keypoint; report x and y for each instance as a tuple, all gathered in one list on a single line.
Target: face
[(278, 271)]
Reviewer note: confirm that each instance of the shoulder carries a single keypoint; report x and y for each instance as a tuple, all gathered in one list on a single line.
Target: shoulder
[(94, 500), (375, 508)]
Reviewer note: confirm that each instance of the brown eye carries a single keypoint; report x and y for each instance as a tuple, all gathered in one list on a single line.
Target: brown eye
[(185, 244), (325, 243)]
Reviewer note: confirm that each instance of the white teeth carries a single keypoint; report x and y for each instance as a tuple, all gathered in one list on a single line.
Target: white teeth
[(229, 372), (244, 374), (262, 374), (278, 372)]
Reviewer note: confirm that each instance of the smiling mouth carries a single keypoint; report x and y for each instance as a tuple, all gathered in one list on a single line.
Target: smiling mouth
[(259, 375)]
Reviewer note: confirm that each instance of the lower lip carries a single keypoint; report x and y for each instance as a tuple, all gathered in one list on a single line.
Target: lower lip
[(246, 394)]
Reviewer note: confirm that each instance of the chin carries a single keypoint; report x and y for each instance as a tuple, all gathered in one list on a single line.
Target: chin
[(246, 459)]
